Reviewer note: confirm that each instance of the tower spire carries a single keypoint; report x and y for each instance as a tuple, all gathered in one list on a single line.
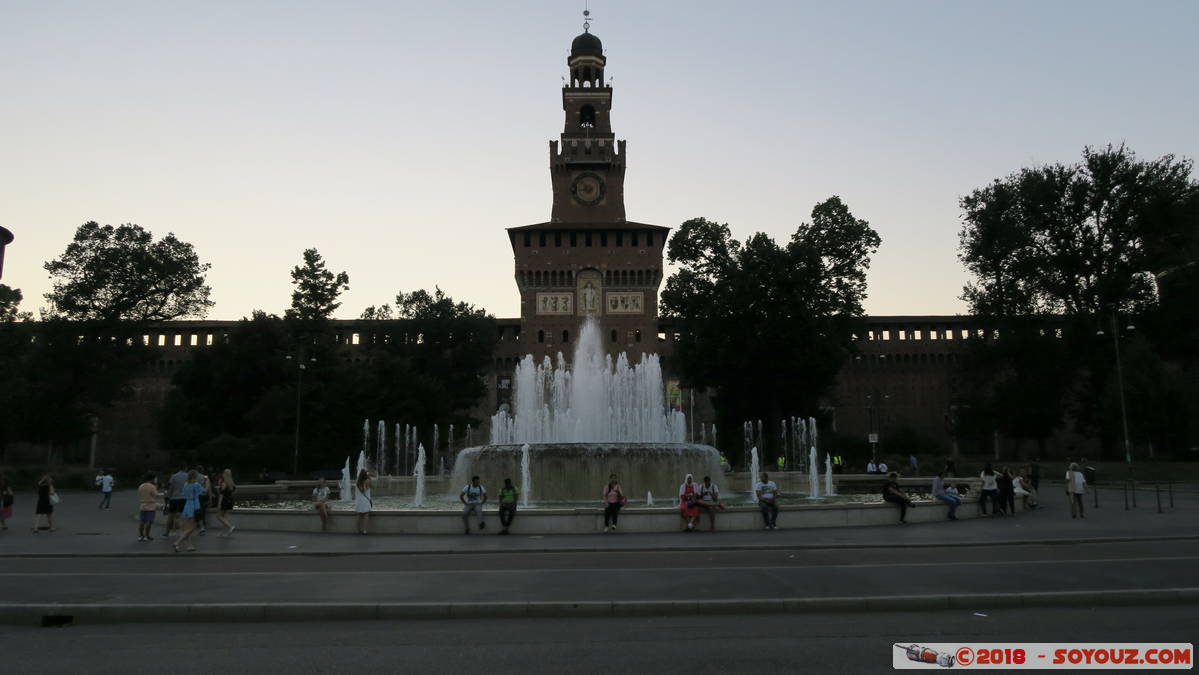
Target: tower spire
[(586, 18)]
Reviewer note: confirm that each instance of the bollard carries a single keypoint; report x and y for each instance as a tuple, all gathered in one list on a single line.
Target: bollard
[(1095, 491), (1157, 489), (1125, 495), (1170, 487)]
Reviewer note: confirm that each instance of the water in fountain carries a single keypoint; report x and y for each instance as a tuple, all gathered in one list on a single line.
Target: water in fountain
[(754, 472), (361, 465), (419, 499), (381, 452), (599, 416), (435, 439), (596, 400), (813, 474), (526, 478), (829, 491), (366, 441), (347, 483), (649, 498), (399, 469)]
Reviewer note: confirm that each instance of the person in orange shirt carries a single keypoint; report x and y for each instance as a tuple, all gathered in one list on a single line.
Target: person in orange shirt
[(148, 499)]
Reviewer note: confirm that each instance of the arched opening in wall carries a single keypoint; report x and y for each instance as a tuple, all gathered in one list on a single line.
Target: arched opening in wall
[(587, 117), (540, 336), (565, 336), (636, 336), (614, 335)]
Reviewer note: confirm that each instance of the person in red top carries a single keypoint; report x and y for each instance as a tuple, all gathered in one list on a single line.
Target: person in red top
[(689, 503)]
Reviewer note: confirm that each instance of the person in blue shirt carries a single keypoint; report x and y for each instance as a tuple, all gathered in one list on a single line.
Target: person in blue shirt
[(193, 489)]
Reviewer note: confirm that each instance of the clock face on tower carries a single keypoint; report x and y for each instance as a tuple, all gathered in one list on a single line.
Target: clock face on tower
[(587, 189)]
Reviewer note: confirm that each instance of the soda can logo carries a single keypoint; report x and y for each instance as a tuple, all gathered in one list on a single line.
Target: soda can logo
[(964, 656)]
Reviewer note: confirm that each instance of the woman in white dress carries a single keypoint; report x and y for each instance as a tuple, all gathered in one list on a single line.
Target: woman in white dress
[(362, 500)]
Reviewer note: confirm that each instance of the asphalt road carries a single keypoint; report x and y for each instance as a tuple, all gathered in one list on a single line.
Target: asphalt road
[(615, 575), (811, 643)]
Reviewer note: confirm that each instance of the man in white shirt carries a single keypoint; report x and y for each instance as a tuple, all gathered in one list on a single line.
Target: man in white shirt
[(473, 496), (105, 481), (1076, 488), (882, 467), (320, 496), (709, 501), (765, 490), (871, 467)]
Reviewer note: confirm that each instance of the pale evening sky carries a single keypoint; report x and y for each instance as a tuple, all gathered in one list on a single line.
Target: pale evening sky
[(401, 138)]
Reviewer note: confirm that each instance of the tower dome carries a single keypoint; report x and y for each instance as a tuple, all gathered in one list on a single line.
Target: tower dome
[(586, 44)]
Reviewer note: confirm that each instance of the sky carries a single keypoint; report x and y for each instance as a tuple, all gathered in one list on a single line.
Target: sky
[(401, 138)]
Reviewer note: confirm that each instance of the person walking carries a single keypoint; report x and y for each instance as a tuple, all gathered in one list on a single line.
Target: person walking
[(765, 490), (944, 495), (990, 490), (473, 496), (227, 488), (147, 507), (205, 500), (509, 496), (6, 501), (105, 481), (175, 500), (1076, 489), (320, 499), (614, 499), (46, 498), (892, 493), (362, 500), (689, 503), (1007, 492), (193, 491), (709, 501)]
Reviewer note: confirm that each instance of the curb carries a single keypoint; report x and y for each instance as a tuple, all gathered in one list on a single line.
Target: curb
[(64, 614), (617, 549)]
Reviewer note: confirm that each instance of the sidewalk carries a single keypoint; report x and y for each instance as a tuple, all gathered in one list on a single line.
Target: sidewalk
[(83, 530)]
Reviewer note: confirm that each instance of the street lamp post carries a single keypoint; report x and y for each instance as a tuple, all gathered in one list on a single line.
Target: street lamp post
[(1120, 387), (300, 368)]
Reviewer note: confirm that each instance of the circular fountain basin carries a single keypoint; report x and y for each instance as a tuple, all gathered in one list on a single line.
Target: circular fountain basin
[(578, 472)]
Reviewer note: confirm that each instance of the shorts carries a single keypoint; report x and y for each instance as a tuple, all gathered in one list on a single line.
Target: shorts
[(145, 517), (176, 505)]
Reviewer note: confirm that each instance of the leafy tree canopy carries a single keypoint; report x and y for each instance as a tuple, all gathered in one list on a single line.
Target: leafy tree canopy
[(1077, 239), (10, 300), (768, 326), (123, 274), (316, 289)]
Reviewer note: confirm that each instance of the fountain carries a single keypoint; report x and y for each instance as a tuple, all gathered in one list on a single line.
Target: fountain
[(649, 498), (526, 478), (361, 464), (813, 474), (829, 490), (754, 472), (346, 493), (419, 499), (381, 452), (583, 421)]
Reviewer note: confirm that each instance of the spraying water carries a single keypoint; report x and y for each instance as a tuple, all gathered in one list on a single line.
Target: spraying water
[(381, 452), (347, 483), (828, 476), (813, 474), (526, 478), (361, 465), (595, 400), (399, 469), (649, 499), (419, 499), (366, 441), (754, 472)]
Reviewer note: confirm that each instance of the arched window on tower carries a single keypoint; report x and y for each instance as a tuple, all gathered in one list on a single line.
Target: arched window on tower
[(587, 117)]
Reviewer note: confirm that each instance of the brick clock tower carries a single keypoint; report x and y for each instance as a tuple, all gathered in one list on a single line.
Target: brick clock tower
[(588, 260)]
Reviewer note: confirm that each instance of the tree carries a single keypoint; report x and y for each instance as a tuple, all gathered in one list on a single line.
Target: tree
[(10, 300), (121, 273), (768, 326), (316, 289), (1055, 251)]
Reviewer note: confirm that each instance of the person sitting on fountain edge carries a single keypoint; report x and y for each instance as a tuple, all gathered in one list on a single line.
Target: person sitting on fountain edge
[(508, 498), (765, 491), (709, 501), (892, 493), (689, 503), (473, 496)]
